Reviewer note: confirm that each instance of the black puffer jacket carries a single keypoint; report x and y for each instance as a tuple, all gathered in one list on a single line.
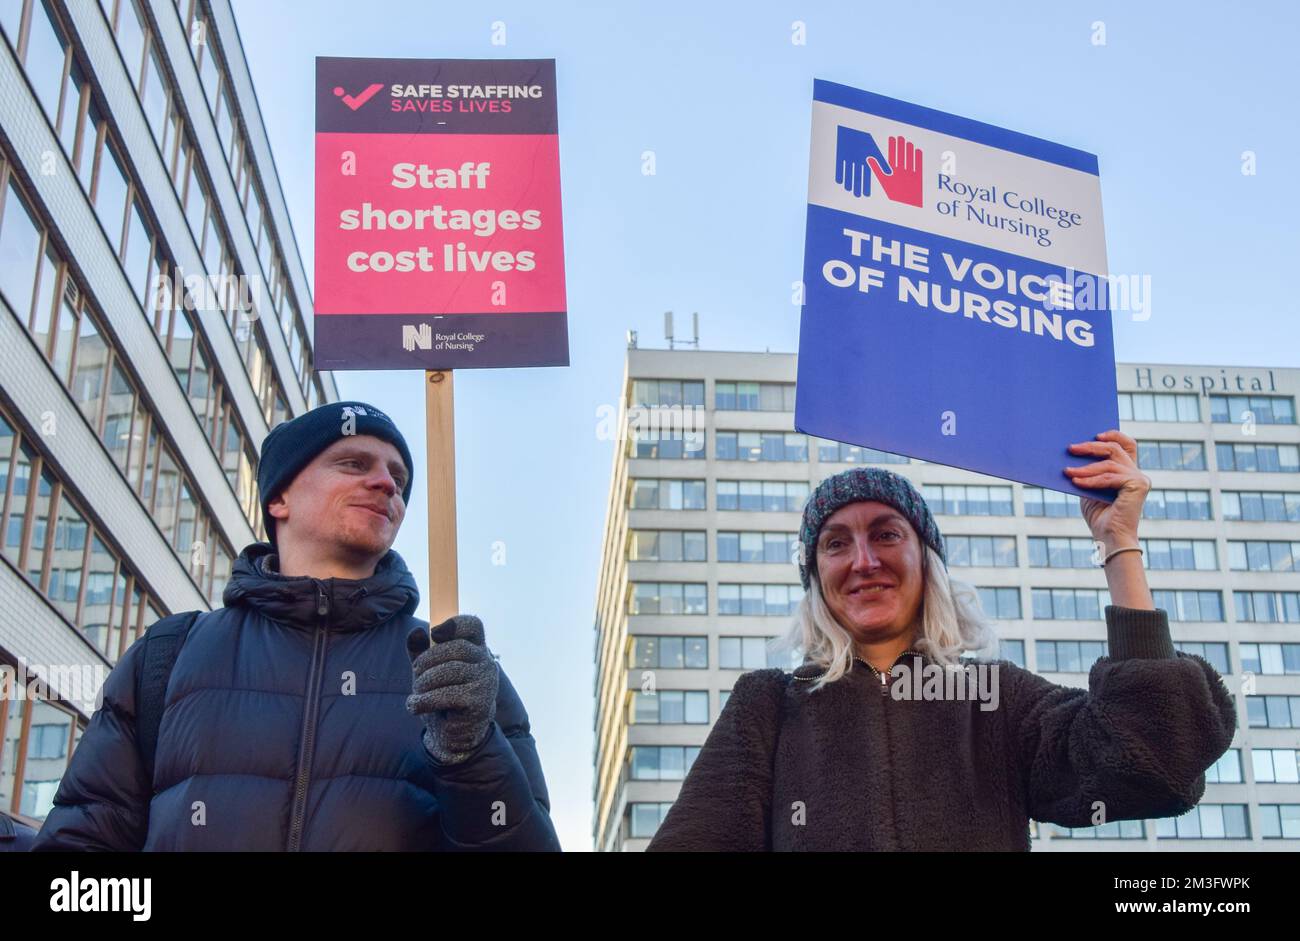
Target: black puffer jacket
[(15, 836), (852, 767), (285, 729)]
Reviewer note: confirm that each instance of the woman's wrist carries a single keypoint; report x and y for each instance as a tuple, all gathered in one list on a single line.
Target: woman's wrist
[(1127, 581), (1117, 540)]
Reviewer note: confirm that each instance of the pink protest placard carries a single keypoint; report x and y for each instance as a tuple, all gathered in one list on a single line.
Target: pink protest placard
[(439, 242)]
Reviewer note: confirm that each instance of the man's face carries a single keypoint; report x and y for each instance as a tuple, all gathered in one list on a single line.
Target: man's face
[(869, 566), (347, 501)]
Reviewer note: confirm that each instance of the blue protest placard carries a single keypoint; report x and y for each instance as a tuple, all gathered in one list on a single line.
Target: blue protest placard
[(955, 304)]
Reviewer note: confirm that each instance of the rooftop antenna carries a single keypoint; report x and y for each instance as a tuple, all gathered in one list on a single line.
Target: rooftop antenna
[(631, 339), (695, 331)]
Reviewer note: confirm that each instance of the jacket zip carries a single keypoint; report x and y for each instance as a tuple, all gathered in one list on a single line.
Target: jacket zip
[(893, 842), (307, 746), (884, 677)]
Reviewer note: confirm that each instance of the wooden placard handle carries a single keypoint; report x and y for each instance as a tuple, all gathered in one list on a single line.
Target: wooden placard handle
[(440, 461)]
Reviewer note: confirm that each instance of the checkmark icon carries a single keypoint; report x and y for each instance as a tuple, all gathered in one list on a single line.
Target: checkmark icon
[(355, 102)]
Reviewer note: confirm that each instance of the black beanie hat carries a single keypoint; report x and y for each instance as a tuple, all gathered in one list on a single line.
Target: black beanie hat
[(857, 485), (292, 445)]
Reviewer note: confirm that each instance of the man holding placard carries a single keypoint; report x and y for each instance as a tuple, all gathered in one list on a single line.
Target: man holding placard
[(312, 712)]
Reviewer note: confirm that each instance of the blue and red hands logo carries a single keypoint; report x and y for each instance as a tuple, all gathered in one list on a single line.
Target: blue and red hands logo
[(857, 159)]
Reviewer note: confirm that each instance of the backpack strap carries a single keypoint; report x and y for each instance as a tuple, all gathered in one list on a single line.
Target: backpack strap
[(161, 644)]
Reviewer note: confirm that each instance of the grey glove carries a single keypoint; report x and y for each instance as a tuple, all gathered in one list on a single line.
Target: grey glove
[(454, 687)]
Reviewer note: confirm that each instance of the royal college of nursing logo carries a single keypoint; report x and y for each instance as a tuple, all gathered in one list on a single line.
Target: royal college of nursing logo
[(858, 159)]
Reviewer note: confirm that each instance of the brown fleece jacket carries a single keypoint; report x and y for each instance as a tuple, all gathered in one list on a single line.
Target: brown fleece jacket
[(851, 767)]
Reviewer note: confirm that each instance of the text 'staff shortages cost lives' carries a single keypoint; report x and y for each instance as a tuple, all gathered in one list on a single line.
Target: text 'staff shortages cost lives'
[(952, 309), (438, 235)]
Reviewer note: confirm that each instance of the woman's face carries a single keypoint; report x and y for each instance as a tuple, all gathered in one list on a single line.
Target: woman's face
[(869, 566)]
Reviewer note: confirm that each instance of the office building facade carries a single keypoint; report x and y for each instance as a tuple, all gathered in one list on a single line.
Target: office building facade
[(156, 324), (698, 574)]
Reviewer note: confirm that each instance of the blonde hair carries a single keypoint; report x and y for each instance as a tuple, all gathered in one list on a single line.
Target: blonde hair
[(951, 620)]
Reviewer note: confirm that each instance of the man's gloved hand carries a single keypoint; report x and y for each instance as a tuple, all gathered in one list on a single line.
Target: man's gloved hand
[(454, 687)]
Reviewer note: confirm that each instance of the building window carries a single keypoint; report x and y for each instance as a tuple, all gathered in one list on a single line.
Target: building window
[(657, 392), (668, 598), (671, 707), (669, 652), (1159, 406), (1011, 650), (759, 600), (666, 545), (1040, 502), (1179, 554), (46, 56), (1260, 506), (757, 547), (1273, 766), (1115, 830), (1227, 770), (1270, 659), (1212, 652), (776, 496), (1206, 822), (837, 452), (1177, 505), (1189, 605), (981, 551), (1000, 603), (153, 91), (754, 396), (1069, 604), (657, 494), (1268, 607), (1263, 409), (1273, 712), (37, 737), (1263, 556), (964, 500), (1061, 553), (1279, 821), (751, 653), (37, 759), (21, 252), (760, 446), (661, 762), (644, 819), (664, 445), (1264, 458), (1068, 656), (1171, 455)]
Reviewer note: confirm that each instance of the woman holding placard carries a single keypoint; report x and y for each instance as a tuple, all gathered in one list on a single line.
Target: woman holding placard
[(884, 740)]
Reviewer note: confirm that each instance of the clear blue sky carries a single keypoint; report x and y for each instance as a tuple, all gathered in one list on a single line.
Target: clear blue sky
[(722, 97)]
